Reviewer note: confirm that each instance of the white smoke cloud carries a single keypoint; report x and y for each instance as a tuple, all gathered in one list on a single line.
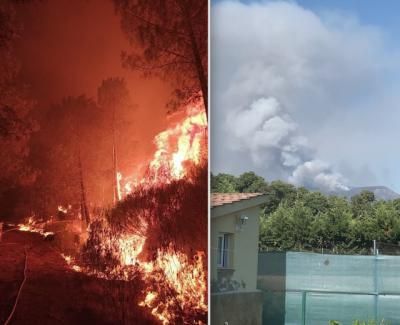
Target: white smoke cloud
[(265, 130), (318, 174), (288, 87)]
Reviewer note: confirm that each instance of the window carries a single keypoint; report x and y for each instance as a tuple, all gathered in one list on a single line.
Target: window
[(223, 247)]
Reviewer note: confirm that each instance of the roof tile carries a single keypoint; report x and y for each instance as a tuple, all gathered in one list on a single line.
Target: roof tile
[(218, 199)]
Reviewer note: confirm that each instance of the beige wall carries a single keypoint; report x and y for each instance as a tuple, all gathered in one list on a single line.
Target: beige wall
[(245, 250)]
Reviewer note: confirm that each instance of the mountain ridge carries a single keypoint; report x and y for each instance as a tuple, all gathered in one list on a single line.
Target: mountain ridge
[(380, 192)]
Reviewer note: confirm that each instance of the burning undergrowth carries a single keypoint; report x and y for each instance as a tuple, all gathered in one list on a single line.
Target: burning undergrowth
[(156, 235)]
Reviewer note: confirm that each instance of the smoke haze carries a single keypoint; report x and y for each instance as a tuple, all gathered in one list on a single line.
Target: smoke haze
[(295, 94), (68, 47)]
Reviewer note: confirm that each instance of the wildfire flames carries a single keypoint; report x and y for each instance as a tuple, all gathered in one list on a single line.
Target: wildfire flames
[(176, 147), (187, 279), (32, 225), (173, 281)]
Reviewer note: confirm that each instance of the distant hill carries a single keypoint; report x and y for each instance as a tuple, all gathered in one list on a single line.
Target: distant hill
[(381, 192)]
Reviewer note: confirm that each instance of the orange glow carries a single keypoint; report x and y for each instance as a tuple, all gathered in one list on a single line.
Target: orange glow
[(31, 225), (129, 248), (177, 145), (175, 283), (172, 269)]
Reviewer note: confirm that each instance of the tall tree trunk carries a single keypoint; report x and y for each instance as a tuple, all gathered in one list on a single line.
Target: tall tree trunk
[(196, 55), (114, 175), (84, 208), (116, 196)]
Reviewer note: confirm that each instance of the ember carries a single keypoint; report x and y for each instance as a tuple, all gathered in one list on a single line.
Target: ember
[(182, 288), (31, 225)]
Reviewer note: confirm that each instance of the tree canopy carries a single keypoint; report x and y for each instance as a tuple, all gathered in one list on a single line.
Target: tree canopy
[(16, 123), (173, 43), (299, 219)]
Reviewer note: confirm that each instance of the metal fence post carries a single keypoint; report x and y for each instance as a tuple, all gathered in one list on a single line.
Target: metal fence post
[(376, 295), (303, 307)]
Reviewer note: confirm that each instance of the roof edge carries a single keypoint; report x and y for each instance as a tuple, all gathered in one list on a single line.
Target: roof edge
[(233, 207)]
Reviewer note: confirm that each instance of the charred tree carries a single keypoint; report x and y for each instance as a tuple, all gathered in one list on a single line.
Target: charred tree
[(84, 208), (116, 196), (114, 99), (196, 53)]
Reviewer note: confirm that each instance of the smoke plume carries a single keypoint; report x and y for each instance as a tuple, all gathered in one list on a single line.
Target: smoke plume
[(267, 132), (291, 90)]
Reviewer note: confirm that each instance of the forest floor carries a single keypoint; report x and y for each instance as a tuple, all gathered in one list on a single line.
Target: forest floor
[(55, 294)]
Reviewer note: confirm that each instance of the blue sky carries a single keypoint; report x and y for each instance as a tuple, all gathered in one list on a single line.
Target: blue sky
[(381, 13), (307, 91)]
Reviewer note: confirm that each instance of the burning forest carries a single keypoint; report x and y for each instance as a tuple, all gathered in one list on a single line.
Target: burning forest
[(146, 233), (103, 198)]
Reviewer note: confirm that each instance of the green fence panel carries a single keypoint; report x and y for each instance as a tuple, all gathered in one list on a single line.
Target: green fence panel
[(274, 308), (293, 309), (310, 288), (389, 309), (345, 308), (311, 271), (388, 274)]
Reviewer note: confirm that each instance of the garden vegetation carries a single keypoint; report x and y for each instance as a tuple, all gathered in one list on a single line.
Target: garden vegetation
[(295, 218)]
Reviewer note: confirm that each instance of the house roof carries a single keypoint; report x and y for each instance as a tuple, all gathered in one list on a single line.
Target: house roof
[(225, 203), (218, 199)]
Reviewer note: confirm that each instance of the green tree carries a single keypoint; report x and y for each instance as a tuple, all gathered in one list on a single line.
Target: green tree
[(388, 222), (316, 201), (249, 182), (223, 183), (331, 227), (296, 218), (289, 227), (278, 192), (396, 204), (364, 230), (362, 203)]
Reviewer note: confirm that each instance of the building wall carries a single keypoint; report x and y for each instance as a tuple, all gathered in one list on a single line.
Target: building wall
[(236, 308), (245, 241)]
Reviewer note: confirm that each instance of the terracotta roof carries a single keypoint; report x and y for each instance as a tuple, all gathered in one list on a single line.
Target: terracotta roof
[(218, 199)]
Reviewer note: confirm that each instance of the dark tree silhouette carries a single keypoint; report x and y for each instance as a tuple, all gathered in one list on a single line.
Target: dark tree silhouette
[(173, 39), (16, 126), (114, 99), (66, 153)]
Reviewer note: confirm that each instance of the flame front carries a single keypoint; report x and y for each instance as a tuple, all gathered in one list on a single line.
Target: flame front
[(186, 281), (176, 147), (130, 247), (31, 225), (175, 283)]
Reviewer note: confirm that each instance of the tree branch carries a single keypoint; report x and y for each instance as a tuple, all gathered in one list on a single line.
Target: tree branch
[(155, 25)]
